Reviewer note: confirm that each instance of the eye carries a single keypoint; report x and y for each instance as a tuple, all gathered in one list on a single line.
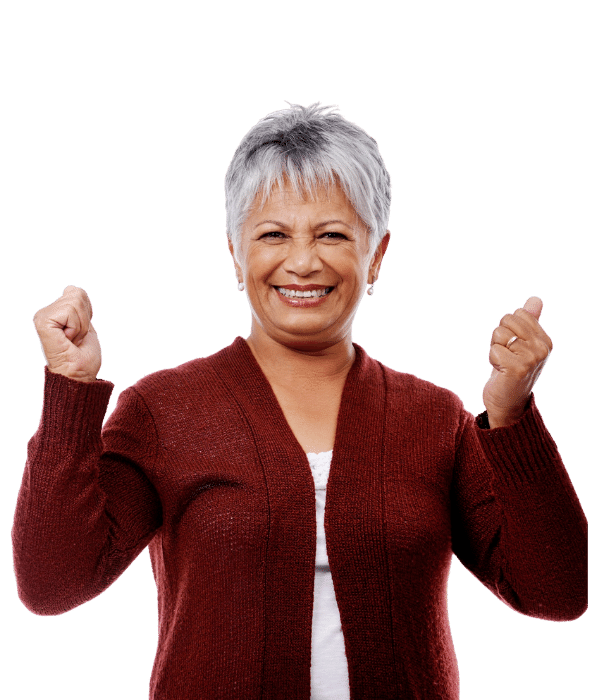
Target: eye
[(277, 234), (332, 235), (271, 235)]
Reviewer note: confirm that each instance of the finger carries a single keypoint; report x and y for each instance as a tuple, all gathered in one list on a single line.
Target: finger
[(534, 306), (72, 317), (83, 325), (525, 325), (522, 373), (517, 325), (80, 316), (520, 359), (535, 346), (69, 320), (538, 344), (502, 359), (502, 335), (536, 331)]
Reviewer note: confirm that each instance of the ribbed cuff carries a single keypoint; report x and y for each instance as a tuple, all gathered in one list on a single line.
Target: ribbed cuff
[(73, 411), (521, 452)]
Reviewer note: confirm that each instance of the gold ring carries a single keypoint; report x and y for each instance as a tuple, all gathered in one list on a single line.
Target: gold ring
[(511, 341)]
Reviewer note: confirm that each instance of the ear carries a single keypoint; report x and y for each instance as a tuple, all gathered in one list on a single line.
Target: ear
[(238, 269), (377, 258)]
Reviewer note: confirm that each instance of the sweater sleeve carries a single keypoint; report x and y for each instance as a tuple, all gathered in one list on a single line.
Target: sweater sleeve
[(517, 523), (85, 508)]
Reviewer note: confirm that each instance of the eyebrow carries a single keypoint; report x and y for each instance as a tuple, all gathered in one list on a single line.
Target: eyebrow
[(321, 225)]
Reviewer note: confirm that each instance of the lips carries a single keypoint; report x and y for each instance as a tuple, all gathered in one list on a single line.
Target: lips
[(303, 287), (303, 301), (306, 292)]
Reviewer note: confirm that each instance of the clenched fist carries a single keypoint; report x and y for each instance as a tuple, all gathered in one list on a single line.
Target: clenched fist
[(69, 340), (519, 350)]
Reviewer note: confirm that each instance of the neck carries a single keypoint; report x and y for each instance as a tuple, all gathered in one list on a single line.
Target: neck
[(283, 363)]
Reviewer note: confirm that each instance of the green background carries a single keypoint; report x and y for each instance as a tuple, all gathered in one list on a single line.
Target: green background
[(118, 122)]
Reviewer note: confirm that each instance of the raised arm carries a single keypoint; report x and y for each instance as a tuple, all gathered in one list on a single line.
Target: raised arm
[(517, 523), (85, 508)]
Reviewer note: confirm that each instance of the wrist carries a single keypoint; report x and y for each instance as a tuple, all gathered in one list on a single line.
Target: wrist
[(76, 376), (502, 419), (500, 422)]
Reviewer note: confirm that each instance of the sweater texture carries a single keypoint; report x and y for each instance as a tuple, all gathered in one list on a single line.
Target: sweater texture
[(199, 464)]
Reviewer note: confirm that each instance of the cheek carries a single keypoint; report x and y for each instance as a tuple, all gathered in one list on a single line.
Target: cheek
[(259, 266), (352, 269)]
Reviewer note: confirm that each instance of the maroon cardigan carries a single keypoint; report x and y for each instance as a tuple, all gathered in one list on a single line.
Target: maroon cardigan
[(199, 464)]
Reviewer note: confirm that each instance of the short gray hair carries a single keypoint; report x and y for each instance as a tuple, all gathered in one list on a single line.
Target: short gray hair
[(309, 146)]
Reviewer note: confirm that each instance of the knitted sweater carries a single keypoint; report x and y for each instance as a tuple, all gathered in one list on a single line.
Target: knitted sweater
[(199, 464)]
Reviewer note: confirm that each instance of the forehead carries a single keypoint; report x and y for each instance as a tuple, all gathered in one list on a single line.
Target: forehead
[(285, 199)]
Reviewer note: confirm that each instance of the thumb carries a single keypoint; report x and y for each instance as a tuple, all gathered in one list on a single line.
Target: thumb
[(534, 306)]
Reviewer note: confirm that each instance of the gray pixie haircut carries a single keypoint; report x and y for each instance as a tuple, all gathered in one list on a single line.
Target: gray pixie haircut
[(310, 146)]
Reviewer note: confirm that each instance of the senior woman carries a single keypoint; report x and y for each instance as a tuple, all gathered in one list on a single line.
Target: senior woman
[(222, 465)]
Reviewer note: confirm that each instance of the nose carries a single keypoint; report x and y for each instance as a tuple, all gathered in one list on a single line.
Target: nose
[(302, 258)]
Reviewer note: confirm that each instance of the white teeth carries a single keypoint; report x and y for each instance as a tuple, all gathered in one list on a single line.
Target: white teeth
[(293, 293)]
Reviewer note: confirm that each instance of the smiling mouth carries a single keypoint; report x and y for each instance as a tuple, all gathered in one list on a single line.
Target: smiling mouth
[(298, 294)]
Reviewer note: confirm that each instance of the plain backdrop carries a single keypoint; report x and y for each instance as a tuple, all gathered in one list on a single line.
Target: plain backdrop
[(118, 121)]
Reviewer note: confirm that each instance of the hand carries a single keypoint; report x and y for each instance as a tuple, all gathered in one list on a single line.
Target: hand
[(517, 368), (69, 340)]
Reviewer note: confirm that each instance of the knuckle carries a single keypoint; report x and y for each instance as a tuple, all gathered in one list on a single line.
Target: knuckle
[(40, 316), (505, 320), (521, 371), (84, 298), (542, 350)]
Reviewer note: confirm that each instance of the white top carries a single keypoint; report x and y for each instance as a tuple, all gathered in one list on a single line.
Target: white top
[(329, 666)]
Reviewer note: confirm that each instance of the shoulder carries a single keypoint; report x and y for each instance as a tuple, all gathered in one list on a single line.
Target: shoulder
[(419, 393), (196, 375)]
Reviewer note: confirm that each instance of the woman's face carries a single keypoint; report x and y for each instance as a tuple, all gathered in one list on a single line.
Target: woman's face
[(293, 246)]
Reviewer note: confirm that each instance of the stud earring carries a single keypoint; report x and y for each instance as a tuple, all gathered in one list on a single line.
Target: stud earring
[(371, 289), (241, 286)]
